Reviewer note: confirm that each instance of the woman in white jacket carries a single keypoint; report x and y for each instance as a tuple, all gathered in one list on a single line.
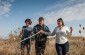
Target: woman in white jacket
[(61, 32)]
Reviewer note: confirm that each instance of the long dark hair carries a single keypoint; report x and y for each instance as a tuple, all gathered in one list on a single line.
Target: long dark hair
[(60, 19)]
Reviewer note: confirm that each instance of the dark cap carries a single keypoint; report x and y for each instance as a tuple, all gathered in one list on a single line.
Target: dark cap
[(41, 18)]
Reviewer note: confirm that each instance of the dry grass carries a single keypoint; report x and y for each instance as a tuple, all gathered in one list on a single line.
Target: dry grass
[(12, 47)]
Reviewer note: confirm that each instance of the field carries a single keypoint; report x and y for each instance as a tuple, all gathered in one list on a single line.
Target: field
[(11, 46)]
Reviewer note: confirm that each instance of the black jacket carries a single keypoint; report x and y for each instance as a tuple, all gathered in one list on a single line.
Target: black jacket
[(41, 36)]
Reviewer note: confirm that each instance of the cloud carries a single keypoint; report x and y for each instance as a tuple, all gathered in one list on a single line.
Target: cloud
[(75, 12), (69, 11), (5, 6)]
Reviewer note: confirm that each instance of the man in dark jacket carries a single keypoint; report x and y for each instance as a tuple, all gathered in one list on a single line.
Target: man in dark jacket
[(41, 38)]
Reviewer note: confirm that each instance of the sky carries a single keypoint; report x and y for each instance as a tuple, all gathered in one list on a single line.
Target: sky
[(14, 12)]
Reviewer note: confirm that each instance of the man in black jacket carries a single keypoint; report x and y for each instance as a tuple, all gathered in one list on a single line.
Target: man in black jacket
[(41, 38)]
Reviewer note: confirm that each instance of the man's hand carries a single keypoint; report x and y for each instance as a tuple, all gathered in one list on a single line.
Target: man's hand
[(41, 31), (32, 42)]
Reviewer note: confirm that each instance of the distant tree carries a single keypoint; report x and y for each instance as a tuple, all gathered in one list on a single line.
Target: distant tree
[(82, 29), (11, 34), (80, 25), (80, 32), (16, 31)]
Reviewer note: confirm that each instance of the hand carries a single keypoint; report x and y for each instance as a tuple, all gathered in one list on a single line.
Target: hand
[(71, 29), (32, 42), (41, 31)]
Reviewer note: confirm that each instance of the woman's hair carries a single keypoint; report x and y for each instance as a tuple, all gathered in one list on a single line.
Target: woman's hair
[(60, 19), (28, 20)]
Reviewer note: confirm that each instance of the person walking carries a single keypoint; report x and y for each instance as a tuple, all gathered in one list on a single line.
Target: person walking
[(26, 32), (41, 38), (61, 31)]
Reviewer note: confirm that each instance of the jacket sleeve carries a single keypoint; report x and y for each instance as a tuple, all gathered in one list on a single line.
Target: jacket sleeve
[(47, 31)]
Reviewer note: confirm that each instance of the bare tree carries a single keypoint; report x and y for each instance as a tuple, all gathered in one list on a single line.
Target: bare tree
[(82, 30)]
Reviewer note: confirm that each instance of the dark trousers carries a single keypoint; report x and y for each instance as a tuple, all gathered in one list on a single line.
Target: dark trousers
[(26, 44), (40, 47), (62, 49)]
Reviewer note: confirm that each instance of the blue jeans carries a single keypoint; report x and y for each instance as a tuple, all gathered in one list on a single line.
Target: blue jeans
[(62, 49)]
